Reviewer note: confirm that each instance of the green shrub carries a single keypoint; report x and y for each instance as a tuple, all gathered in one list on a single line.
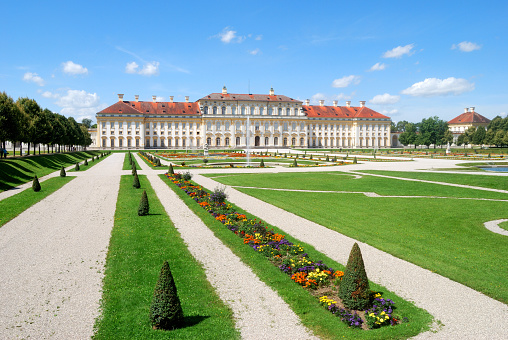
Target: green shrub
[(62, 172), (183, 163), (354, 288), (134, 168), (355, 161), (144, 207), (85, 162), (295, 164), (327, 159), (36, 186), (187, 176), (158, 162), (170, 170), (77, 167), (166, 311), (310, 156), (135, 182), (262, 164), (205, 160)]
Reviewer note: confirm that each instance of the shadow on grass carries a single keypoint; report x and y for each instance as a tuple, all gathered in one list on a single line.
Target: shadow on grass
[(189, 321)]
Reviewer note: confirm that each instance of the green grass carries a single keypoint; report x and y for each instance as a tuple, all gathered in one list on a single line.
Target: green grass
[(340, 181), (503, 225), (127, 163), (315, 317), (16, 171), (486, 181), (83, 167), (137, 250), (15, 205), (446, 236)]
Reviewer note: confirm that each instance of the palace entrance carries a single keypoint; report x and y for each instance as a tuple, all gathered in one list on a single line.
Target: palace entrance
[(257, 141)]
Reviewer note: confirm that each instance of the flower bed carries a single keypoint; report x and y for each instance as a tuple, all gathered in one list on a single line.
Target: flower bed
[(315, 276)]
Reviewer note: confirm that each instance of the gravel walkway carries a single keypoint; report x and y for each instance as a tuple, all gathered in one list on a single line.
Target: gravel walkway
[(495, 228), (53, 258), (465, 313), (259, 312)]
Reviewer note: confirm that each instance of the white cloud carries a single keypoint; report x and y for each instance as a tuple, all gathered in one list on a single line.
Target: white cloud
[(229, 36), (329, 98), (149, 69), (390, 112), (378, 67), (384, 99), (71, 68), (466, 46), (399, 51), (259, 37), (346, 81), (47, 94), (255, 52), (30, 77), (80, 104), (439, 87)]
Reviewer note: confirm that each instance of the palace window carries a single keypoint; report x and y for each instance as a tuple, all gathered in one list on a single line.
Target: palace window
[(217, 126), (267, 126), (252, 110), (237, 140), (217, 141), (302, 126), (183, 126), (169, 142), (243, 110), (261, 110), (294, 126), (227, 141), (257, 126), (285, 127), (183, 141), (276, 141), (280, 111), (287, 112), (162, 142), (103, 143), (209, 141), (112, 125), (285, 140), (120, 125), (209, 125), (238, 126), (147, 143), (227, 126), (176, 141), (137, 125), (293, 141), (129, 143), (233, 110), (155, 143), (215, 110), (103, 125), (275, 126), (270, 111), (205, 110), (301, 141), (223, 110), (137, 142), (266, 140)]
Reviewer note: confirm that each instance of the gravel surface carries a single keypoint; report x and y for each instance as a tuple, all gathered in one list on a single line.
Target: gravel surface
[(465, 313), (53, 258), (495, 228), (259, 312)]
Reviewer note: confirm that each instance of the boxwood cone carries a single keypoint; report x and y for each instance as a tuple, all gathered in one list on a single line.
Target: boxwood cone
[(135, 182), (77, 167), (355, 161), (36, 186), (354, 288), (295, 164), (166, 311), (62, 172), (170, 170), (85, 162), (144, 208), (262, 164)]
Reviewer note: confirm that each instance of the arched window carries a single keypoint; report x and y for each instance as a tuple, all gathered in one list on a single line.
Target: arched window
[(293, 141), (275, 127), (233, 110), (209, 125), (293, 127), (155, 143), (252, 110), (104, 143), (280, 111), (267, 126), (205, 110), (287, 111), (209, 141), (227, 126), (147, 143), (266, 140), (285, 127), (301, 141), (223, 110), (276, 141), (238, 126), (261, 110), (227, 141), (270, 111), (217, 141), (257, 126), (215, 110), (237, 140), (243, 110), (217, 126), (285, 140)]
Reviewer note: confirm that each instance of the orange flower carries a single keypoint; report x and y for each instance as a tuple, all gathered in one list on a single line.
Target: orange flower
[(338, 273)]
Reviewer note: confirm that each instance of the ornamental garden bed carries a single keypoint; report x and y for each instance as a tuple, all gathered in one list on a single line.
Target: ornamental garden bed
[(319, 279)]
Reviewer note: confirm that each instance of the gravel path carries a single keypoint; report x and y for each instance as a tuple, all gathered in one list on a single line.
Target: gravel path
[(53, 257), (259, 312), (495, 228), (465, 313)]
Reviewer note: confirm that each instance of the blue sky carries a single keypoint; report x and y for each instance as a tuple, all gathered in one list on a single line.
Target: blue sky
[(409, 60)]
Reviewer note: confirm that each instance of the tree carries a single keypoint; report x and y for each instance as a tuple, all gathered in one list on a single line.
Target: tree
[(409, 135), (432, 131), (498, 138), (36, 186), (45, 127), (166, 310), (262, 164), (135, 182), (505, 138), (447, 137), (32, 130), (479, 135), (9, 119), (144, 207), (86, 123), (354, 288)]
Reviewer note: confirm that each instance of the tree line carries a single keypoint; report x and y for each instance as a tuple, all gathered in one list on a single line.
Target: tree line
[(434, 131), (25, 121)]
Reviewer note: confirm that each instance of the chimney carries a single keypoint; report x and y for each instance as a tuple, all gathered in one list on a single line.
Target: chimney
[(307, 102), (136, 97), (466, 110), (186, 99), (362, 103), (120, 97), (224, 90), (348, 103), (154, 98), (322, 102), (271, 92), (170, 99), (335, 103), (471, 109)]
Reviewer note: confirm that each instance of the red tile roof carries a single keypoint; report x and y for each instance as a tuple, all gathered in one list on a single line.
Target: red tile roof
[(468, 118), (157, 108), (249, 97), (315, 111)]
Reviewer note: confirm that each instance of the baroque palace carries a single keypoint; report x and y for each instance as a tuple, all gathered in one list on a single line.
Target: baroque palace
[(222, 120)]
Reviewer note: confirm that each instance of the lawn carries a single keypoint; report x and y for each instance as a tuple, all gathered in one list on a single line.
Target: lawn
[(446, 236), (137, 250), (315, 317), (16, 171), (15, 205), (486, 181)]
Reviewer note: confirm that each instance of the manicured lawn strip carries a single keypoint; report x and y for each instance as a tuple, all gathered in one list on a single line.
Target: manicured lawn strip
[(503, 225), (150, 164), (15, 205), (138, 247), (16, 171), (340, 181), (315, 317), (127, 163), (83, 167), (444, 236), (486, 181)]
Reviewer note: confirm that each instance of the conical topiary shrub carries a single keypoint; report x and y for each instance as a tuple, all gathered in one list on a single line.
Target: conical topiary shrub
[(62, 172), (85, 162), (36, 186), (354, 288), (77, 167), (262, 164), (170, 170), (295, 164), (355, 161), (135, 182), (133, 168), (310, 156), (166, 311), (144, 208)]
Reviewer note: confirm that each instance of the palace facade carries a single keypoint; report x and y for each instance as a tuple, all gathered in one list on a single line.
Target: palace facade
[(222, 120), (468, 119)]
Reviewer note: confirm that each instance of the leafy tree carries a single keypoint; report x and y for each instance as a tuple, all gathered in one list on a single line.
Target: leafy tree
[(9, 119), (354, 288), (505, 138), (489, 137), (479, 135), (32, 130), (36, 186), (45, 127), (409, 135), (498, 138), (86, 123), (166, 310), (447, 137), (432, 131)]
